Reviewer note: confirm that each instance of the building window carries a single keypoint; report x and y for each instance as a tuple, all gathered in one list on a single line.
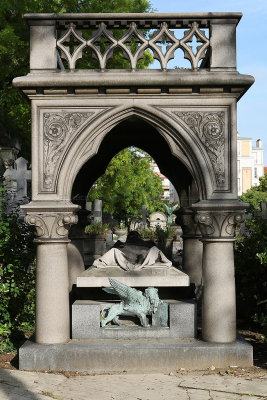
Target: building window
[(255, 172)]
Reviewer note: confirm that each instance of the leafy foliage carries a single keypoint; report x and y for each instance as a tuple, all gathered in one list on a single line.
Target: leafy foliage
[(127, 184), (255, 195), (17, 278), (251, 260), (96, 228), (15, 47)]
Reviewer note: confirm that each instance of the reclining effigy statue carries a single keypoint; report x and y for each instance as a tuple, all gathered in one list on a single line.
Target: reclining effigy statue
[(133, 255)]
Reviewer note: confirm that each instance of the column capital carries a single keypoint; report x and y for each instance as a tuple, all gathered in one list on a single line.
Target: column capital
[(218, 224), (51, 226), (185, 217)]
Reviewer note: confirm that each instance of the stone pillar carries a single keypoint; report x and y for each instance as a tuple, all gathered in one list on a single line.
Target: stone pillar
[(97, 210), (219, 301), (43, 55), (223, 45), (192, 247), (52, 281)]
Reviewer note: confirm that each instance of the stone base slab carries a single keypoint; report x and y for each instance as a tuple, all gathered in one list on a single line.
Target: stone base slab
[(158, 276), (86, 322), (136, 355)]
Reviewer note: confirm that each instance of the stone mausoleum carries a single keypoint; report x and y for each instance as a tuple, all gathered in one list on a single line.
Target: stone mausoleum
[(186, 120)]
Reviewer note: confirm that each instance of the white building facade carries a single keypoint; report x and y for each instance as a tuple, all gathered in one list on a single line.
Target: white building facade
[(249, 163)]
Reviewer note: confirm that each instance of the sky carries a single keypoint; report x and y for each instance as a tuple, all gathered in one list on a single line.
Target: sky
[(251, 56)]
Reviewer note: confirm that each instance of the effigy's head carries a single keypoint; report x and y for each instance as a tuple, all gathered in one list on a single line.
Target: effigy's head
[(133, 236), (152, 294)]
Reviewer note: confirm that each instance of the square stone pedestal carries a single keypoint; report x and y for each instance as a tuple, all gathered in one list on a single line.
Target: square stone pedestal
[(86, 322)]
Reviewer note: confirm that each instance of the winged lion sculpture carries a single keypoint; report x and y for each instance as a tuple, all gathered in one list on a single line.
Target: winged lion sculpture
[(133, 303)]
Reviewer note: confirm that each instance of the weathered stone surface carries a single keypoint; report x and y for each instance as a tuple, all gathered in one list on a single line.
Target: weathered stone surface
[(157, 218), (158, 276), (135, 355), (86, 322)]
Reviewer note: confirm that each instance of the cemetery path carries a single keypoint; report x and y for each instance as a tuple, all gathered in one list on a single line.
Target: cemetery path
[(182, 385)]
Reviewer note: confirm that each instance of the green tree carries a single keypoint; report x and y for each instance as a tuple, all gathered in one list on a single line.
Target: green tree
[(127, 184), (14, 52), (251, 260), (255, 195), (17, 278)]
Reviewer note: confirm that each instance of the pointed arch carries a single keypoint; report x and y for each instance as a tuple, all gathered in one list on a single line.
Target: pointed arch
[(182, 144)]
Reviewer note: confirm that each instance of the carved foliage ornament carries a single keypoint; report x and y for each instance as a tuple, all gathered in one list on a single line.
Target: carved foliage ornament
[(210, 128), (221, 224), (51, 225), (59, 127)]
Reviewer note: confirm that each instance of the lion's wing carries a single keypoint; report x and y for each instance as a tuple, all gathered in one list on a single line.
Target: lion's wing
[(125, 292)]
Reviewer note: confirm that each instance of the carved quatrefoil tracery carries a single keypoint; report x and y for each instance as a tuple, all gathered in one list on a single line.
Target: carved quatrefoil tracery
[(160, 37)]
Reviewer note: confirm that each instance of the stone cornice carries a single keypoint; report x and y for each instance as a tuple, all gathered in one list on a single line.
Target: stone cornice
[(176, 78), (156, 18), (152, 82)]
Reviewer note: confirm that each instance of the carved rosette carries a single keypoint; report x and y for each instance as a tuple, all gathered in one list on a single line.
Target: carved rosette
[(218, 224), (59, 127), (54, 226), (185, 217), (210, 128)]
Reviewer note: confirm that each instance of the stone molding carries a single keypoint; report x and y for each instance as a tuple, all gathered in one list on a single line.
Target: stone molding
[(54, 226), (218, 224)]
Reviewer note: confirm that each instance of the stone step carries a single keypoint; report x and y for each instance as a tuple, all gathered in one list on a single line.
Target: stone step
[(136, 355)]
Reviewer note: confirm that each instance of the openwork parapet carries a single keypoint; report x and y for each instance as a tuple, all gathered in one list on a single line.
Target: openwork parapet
[(134, 42), (112, 41)]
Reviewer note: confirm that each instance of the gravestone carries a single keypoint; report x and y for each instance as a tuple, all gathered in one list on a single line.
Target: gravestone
[(9, 149), (97, 213), (263, 212), (136, 223), (88, 206), (144, 211), (158, 218), (16, 183)]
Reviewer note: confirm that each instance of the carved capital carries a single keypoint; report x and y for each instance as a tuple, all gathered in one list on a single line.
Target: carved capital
[(51, 225), (218, 224), (185, 217)]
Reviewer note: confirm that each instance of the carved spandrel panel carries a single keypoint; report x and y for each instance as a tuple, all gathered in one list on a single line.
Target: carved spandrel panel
[(59, 129), (209, 126)]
